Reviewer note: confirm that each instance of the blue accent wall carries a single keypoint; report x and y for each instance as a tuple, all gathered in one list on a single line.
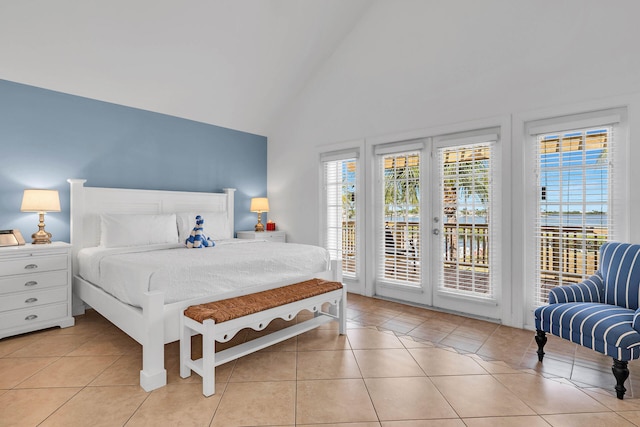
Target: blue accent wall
[(47, 137)]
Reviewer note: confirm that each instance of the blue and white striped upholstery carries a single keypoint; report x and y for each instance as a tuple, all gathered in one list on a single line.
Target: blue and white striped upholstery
[(591, 290), (602, 312), (620, 268), (604, 328)]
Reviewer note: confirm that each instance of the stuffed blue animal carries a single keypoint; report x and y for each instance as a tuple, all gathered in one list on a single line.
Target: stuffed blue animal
[(198, 239)]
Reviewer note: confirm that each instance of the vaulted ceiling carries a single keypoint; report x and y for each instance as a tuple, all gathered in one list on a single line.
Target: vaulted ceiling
[(232, 63)]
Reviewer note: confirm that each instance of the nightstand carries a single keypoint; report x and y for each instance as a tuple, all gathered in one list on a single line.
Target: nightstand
[(270, 236), (35, 287)]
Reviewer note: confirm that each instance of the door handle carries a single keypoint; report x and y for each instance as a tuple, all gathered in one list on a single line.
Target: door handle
[(436, 231)]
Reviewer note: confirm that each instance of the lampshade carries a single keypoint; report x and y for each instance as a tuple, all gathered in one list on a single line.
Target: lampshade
[(40, 201), (259, 204)]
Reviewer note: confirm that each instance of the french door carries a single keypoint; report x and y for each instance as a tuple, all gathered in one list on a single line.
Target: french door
[(435, 223)]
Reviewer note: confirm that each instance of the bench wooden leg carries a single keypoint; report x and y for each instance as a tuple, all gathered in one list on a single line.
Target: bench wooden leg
[(208, 358), (342, 312)]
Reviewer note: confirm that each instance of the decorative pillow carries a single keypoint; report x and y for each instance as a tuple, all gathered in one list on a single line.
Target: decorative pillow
[(198, 239), (218, 226), (118, 230)]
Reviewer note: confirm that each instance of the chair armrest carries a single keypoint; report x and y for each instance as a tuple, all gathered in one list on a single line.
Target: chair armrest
[(590, 290), (636, 320)]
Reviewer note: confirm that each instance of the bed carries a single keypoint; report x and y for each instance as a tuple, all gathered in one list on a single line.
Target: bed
[(152, 317)]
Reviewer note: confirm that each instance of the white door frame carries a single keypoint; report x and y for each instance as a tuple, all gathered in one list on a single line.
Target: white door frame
[(506, 175)]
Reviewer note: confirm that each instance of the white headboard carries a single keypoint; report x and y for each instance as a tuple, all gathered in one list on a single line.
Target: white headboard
[(87, 203)]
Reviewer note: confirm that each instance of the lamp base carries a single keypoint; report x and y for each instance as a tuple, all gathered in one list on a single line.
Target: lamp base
[(259, 226), (41, 237)]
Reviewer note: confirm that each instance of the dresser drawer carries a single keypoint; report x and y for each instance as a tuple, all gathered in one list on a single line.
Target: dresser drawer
[(31, 299), (32, 316), (34, 264), (30, 282)]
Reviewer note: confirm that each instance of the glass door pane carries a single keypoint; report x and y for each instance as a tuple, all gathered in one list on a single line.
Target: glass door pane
[(399, 258), (340, 193), (465, 191)]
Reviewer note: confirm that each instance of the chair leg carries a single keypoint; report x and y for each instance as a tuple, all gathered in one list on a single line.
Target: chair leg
[(541, 340), (621, 372)]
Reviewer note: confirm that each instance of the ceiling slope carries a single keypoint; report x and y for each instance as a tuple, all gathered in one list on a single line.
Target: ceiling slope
[(232, 63)]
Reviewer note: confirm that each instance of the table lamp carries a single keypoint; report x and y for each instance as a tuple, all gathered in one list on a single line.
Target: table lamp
[(40, 201), (259, 205)]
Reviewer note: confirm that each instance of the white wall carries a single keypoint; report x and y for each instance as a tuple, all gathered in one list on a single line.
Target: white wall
[(416, 64)]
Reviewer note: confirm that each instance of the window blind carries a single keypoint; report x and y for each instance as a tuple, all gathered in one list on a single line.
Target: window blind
[(467, 243), (574, 178), (340, 193), (399, 228)]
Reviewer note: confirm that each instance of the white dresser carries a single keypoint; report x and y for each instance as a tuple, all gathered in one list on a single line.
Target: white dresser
[(270, 236), (35, 287)]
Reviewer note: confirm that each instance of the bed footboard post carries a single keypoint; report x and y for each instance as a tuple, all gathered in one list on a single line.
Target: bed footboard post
[(153, 375), (336, 270)]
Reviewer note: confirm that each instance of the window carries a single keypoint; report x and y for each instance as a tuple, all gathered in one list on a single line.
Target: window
[(340, 191), (575, 199)]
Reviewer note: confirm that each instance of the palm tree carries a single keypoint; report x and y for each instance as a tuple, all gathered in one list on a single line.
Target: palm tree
[(464, 179), (402, 185)]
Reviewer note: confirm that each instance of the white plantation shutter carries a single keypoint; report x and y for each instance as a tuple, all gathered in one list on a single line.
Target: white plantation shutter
[(468, 236), (340, 193), (575, 179), (399, 227)]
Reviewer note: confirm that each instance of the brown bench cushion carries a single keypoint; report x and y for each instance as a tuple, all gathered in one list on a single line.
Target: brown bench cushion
[(232, 308)]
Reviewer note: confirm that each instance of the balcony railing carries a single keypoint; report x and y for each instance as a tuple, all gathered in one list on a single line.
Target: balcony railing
[(567, 254)]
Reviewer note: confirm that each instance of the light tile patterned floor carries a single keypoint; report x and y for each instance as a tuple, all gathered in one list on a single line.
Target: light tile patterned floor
[(397, 366)]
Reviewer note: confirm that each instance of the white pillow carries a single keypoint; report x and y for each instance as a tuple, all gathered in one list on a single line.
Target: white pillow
[(216, 225), (119, 230)]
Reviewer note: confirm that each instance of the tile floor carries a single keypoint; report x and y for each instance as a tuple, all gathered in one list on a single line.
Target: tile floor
[(397, 366)]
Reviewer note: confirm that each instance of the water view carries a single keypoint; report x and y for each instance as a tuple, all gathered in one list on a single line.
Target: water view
[(549, 220)]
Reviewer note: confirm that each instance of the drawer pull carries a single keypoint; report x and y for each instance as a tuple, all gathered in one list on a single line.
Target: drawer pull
[(30, 266), (31, 317), (31, 283), (30, 300)]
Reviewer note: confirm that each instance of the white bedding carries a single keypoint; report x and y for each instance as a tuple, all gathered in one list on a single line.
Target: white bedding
[(182, 273)]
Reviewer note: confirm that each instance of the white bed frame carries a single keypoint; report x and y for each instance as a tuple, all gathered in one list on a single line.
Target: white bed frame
[(156, 323)]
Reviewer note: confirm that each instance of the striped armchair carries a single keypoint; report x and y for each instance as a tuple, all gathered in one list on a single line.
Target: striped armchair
[(601, 313)]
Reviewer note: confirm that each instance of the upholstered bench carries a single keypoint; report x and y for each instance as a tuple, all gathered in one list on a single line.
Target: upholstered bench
[(222, 320)]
